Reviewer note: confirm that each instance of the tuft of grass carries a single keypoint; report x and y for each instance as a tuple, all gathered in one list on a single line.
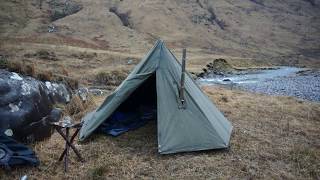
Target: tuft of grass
[(97, 173), (306, 161), (62, 77), (3, 61), (23, 67), (64, 70), (224, 99), (113, 78), (71, 82), (29, 70), (45, 76), (15, 66), (84, 55), (42, 54), (77, 108)]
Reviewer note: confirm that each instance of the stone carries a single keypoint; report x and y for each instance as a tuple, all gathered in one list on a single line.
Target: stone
[(26, 103), (83, 93), (58, 93), (55, 115), (61, 8)]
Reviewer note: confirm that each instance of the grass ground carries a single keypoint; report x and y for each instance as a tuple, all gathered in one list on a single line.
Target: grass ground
[(273, 137)]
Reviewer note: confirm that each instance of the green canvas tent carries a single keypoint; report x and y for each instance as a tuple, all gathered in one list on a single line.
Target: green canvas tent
[(195, 125)]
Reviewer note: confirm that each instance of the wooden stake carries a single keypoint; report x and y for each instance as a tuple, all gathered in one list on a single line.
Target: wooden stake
[(182, 87)]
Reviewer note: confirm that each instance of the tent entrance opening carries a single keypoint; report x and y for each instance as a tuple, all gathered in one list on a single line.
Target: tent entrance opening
[(135, 111)]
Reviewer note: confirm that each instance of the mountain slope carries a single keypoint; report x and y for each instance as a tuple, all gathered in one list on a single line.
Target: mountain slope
[(275, 31)]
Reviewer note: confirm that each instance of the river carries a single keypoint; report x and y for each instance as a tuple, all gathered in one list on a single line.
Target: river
[(285, 81)]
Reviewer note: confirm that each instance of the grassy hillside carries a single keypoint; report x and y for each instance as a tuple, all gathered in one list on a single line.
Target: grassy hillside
[(277, 32)]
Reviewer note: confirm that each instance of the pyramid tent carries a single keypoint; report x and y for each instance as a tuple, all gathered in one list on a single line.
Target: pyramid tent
[(199, 125)]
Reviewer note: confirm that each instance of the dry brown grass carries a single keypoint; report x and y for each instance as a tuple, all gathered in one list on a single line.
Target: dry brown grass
[(73, 64), (77, 108), (273, 137), (112, 78), (25, 68), (31, 68)]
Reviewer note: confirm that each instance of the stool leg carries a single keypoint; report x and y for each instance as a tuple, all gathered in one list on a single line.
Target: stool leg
[(67, 151), (71, 141), (70, 145)]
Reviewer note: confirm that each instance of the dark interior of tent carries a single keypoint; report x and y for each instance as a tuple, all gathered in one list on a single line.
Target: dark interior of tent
[(135, 111)]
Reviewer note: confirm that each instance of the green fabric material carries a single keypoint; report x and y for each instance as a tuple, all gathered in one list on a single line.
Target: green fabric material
[(197, 126)]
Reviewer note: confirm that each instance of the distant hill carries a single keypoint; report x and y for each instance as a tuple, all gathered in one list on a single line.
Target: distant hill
[(283, 32)]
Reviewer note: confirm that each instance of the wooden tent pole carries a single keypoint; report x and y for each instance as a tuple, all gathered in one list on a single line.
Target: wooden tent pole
[(182, 87)]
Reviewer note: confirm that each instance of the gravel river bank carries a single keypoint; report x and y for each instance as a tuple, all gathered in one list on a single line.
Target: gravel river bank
[(286, 81)]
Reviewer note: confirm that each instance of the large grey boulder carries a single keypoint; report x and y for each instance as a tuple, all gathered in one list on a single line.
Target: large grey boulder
[(26, 105)]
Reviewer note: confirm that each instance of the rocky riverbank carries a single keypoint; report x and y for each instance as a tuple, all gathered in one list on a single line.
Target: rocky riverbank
[(284, 81), (300, 86)]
